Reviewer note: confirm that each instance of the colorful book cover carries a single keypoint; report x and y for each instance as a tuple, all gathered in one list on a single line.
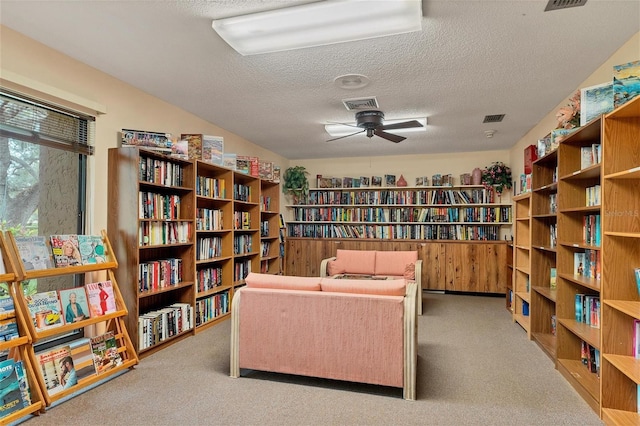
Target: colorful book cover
[(155, 141), (101, 298), (35, 252), (552, 278), (105, 352), (11, 399), (243, 164), (229, 160), (66, 251), (390, 180), (24, 383), (266, 170), (58, 371), (74, 304), (276, 174), (194, 143), (578, 264), (254, 166), (7, 308), (626, 82), (180, 149), (376, 181), (45, 310), (595, 101), (82, 358), (213, 149), (92, 249)]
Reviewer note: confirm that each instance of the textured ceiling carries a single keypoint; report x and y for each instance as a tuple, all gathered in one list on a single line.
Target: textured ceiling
[(472, 58)]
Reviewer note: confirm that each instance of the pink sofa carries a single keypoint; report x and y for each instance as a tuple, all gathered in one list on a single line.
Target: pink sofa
[(353, 330), (397, 264)]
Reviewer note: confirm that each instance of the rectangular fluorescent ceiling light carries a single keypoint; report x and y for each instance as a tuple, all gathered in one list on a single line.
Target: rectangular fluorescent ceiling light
[(344, 129), (319, 23)]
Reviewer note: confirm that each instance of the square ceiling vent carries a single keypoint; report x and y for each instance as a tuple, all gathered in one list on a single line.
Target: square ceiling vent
[(563, 4), (361, 103)]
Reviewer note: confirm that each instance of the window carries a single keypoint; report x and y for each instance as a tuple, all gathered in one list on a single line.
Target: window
[(43, 168)]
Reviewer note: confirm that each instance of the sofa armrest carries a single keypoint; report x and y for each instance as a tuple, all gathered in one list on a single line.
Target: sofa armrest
[(419, 283), (410, 342), (323, 266)]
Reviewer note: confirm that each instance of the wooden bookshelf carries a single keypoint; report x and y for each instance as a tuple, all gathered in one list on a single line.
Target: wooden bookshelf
[(620, 370), (522, 261), (270, 260)]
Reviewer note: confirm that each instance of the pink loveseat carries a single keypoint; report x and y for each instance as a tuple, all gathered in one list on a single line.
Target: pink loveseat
[(395, 264), (354, 330)]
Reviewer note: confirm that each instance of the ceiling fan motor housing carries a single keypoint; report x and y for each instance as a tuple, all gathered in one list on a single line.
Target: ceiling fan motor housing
[(369, 119)]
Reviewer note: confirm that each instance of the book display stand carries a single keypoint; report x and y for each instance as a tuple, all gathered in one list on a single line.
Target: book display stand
[(113, 322), (18, 348)]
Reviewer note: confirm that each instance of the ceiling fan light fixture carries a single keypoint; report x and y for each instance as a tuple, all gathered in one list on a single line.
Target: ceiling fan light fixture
[(318, 24), (350, 128)]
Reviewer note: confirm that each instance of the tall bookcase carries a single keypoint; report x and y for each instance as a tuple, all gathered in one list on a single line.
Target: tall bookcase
[(270, 260), (576, 238), (215, 213), (114, 322), (151, 223), (620, 369), (521, 305), (18, 348), (544, 226), (467, 212)]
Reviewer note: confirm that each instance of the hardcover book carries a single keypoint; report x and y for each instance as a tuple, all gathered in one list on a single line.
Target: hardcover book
[(10, 394), (45, 310), (57, 369), (101, 298), (35, 252), (74, 304), (92, 249), (66, 251)]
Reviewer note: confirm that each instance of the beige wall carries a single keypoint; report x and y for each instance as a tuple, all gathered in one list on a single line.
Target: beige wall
[(25, 64), (629, 52)]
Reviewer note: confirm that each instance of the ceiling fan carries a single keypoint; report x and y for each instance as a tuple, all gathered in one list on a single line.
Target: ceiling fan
[(371, 122)]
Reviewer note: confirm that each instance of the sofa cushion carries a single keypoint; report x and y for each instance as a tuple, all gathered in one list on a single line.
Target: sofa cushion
[(380, 287), (335, 267), (357, 261), (393, 262), (282, 282)]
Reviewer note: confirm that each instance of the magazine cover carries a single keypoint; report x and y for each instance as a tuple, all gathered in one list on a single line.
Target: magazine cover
[(45, 310), (57, 369), (92, 249), (10, 393), (66, 251), (101, 298), (35, 252), (74, 304), (82, 358), (105, 352)]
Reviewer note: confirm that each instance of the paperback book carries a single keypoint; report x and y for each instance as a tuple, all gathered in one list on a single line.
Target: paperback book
[(66, 251), (92, 249), (35, 252), (101, 298), (45, 310), (74, 304)]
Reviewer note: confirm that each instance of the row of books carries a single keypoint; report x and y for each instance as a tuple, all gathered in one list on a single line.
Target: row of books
[(553, 203), (399, 232), (587, 264), (242, 192), (241, 268), (590, 358), (241, 220), (162, 324), (242, 244), (592, 195), (265, 203), (402, 197), (591, 233), (14, 387), (553, 235), (160, 172), (587, 309), (50, 309), (264, 228), (388, 180), (208, 248), (161, 233), (590, 155), (42, 252), (64, 366), (208, 278), (209, 219), (211, 307), (265, 246), (211, 187), (158, 274), (158, 206)]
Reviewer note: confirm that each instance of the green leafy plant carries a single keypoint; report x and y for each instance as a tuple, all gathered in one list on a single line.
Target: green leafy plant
[(497, 176), (296, 183)]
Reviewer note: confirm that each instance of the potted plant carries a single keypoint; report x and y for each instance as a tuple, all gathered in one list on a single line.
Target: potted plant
[(296, 183)]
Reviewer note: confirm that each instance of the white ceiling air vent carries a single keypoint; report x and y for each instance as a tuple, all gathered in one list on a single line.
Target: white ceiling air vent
[(360, 103), (563, 4), (495, 118)]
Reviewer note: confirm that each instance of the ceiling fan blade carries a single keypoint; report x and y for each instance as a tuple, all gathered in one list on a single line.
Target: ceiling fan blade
[(388, 136), (346, 136), (343, 124), (403, 125)]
